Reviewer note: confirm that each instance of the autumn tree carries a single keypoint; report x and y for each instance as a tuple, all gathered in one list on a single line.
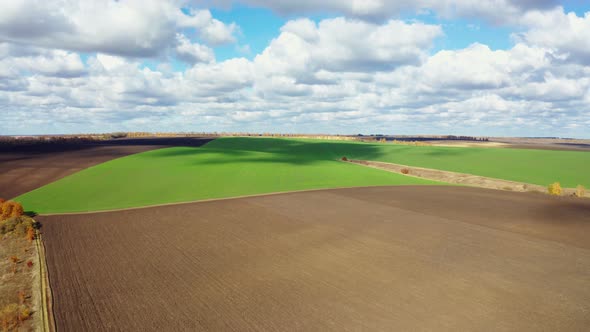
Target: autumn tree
[(17, 210), (11, 209), (554, 189), (6, 210), (580, 191)]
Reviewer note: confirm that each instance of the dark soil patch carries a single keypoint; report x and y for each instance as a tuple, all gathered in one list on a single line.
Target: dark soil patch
[(25, 168)]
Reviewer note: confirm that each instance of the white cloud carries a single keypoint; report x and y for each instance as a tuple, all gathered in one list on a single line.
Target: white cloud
[(478, 67), (338, 75), (344, 45), (217, 79), (140, 28), (209, 29), (564, 33), (15, 59), (193, 52), (496, 11)]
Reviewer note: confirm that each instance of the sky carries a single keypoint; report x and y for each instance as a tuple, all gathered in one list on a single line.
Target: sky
[(461, 67)]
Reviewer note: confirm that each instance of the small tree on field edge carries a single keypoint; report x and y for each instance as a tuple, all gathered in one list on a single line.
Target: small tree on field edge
[(555, 189), (17, 209), (5, 210), (580, 191)]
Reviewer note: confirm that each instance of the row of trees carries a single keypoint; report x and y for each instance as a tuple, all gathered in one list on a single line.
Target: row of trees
[(556, 190)]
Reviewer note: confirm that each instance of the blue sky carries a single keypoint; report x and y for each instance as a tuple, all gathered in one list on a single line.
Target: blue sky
[(498, 68), (260, 25)]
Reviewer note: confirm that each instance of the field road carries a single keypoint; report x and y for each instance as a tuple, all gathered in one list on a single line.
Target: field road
[(424, 258), (23, 169)]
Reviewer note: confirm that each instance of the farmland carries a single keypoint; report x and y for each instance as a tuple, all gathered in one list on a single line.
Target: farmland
[(382, 258), (231, 167), (25, 168), (228, 168), (391, 252)]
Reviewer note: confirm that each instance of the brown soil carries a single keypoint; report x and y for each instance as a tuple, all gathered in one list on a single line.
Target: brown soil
[(383, 258), (23, 169)]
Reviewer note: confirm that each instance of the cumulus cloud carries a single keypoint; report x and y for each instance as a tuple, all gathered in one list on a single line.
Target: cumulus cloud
[(564, 33), (345, 45), (192, 52), (209, 29), (15, 59), (478, 67), (496, 11), (139, 28), (339, 75)]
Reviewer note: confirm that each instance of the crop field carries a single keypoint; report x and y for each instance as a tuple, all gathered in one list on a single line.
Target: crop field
[(231, 167), (433, 258), (228, 168), (23, 169), (392, 252)]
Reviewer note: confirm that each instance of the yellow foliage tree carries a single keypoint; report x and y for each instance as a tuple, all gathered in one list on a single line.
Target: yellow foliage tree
[(555, 189), (580, 191)]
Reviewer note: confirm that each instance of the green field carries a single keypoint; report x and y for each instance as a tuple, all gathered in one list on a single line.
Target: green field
[(227, 167), (230, 167)]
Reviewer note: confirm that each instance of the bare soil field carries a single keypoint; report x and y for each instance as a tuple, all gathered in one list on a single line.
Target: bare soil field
[(25, 168), (381, 258)]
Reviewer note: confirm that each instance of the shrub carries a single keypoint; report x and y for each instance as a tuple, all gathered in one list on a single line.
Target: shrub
[(405, 171), (12, 315), (24, 313), (555, 189), (344, 159), (8, 225), (30, 233), (9, 317), (14, 260), (580, 191), (17, 225), (30, 264), (20, 229), (21, 297)]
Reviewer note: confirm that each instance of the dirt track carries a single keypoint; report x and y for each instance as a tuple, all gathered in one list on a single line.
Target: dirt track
[(26, 168), (388, 258)]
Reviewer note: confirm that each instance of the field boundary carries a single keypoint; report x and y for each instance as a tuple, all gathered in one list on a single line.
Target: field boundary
[(227, 198), (46, 297), (451, 177)]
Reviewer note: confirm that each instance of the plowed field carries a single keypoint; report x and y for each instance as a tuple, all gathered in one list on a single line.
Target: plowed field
[(385, 258)]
